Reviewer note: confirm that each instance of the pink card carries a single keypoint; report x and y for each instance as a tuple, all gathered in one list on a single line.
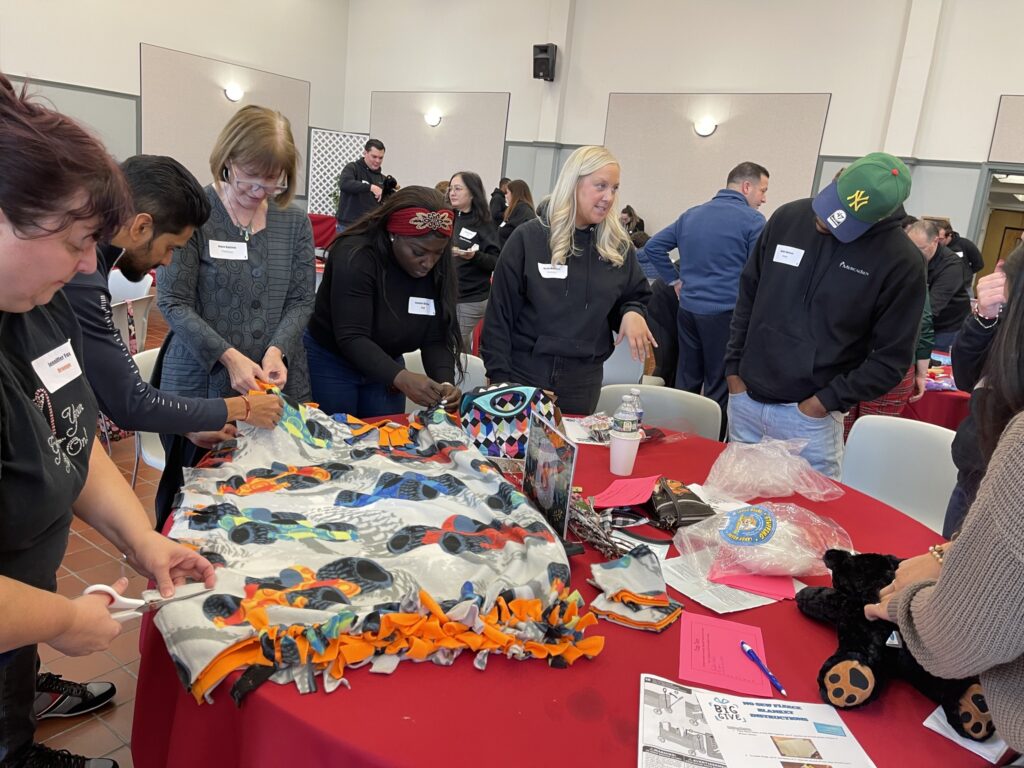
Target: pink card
[(775, 587), (626, 492), (710, 654)]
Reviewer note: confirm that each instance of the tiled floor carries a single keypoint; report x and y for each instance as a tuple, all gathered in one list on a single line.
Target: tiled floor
[(90, 559)]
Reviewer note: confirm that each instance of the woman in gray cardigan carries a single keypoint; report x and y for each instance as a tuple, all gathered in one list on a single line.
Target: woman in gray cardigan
[(238, 296)]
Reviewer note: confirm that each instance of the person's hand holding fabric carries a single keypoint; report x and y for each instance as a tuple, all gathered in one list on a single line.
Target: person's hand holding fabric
[(244, 374), (452, 396), (274, 369), (634, 328), (168, 562), (212, 438), (419, 388)]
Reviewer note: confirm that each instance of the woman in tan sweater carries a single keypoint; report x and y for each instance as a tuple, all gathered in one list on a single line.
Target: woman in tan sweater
[(960, 608)]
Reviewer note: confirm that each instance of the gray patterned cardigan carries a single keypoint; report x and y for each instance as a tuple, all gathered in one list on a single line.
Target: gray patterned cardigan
[(214, 304)]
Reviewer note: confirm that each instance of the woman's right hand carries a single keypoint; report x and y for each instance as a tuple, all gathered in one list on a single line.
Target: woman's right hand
[(265, 411), (92, 628), (419, 388), (245, 375)]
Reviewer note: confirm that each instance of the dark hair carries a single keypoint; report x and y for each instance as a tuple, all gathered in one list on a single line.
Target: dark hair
[(907, 220), (639, 239), (504, 180), (164, 188), (747, 172), (519, 191), (373, 144), (48, 159), (1002, 396), (373, 227), (475, 185)]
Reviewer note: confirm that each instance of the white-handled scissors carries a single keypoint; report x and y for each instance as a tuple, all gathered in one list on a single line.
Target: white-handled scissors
[(124, 608)]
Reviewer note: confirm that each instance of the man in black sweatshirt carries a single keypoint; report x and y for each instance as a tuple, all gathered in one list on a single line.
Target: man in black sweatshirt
[(828, 312), (361, 184), (946, 284)]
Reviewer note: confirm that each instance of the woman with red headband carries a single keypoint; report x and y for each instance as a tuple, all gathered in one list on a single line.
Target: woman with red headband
[(389, 288)]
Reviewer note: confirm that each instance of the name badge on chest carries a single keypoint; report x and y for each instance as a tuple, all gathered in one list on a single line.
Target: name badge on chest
[(554, 271), (418, 306), (57, 367), (224, 249), (787, 254), (467, 234)]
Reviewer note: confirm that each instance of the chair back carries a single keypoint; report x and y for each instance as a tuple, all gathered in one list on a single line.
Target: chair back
[(621, 368), (121, 288), (904, 463), (148, 447), (668, 408)]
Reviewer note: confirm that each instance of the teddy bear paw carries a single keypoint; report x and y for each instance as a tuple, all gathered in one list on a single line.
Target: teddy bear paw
[(849, 684), (975, 717)]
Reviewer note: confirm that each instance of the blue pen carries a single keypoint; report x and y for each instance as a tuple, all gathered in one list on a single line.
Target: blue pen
[(752, 655)]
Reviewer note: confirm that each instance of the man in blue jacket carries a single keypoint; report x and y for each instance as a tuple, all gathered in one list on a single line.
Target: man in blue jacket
[(714, 239)]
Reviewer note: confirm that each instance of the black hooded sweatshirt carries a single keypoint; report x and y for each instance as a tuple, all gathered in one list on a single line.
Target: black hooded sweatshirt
[(815, 316)]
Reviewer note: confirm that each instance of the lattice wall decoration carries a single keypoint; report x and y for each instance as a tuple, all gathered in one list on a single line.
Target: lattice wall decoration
[(329, 152)]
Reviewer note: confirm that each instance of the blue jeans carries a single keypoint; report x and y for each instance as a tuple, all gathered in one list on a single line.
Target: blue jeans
[(338, 387), (751, 421), (945, 339)]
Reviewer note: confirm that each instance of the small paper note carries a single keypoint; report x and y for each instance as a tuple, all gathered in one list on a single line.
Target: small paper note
[(710, 654), (775, 587), (626, 492)]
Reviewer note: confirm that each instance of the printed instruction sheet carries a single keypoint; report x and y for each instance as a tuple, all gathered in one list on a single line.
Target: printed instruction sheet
[(682, 727)]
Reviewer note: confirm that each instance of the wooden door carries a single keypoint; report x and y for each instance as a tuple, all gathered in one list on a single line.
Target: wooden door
[(1001, 236)]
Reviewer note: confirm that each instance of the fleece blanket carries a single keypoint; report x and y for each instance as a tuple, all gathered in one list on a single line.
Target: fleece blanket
[(340, 544)]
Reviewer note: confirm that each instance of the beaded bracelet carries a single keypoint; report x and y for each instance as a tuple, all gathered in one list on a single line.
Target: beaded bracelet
[(935, 551), (248, 407)]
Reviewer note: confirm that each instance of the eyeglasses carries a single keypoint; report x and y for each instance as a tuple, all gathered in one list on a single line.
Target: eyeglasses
[(253, 187)]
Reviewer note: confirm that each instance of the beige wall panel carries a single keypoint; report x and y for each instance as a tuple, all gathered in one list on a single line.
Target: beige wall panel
[(184, 107), (1008, 136), (471, 136), (667, 167)]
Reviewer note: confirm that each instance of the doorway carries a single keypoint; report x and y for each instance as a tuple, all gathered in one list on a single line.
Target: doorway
[(1002, 223)]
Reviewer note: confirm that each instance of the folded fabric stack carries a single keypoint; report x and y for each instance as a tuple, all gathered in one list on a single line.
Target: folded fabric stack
[(634, 592)]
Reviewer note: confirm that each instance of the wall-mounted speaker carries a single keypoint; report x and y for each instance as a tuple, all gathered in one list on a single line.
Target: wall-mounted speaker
[(544, 61)]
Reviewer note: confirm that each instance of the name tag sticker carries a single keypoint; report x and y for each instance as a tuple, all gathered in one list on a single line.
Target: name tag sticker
[(222, 249), (554, 271), (57, 367), (419, 306), (787, 254), (467, 234)]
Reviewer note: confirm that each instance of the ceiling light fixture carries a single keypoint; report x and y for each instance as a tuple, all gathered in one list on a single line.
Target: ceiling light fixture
[(705, 126), (432, 118), (234, 92)]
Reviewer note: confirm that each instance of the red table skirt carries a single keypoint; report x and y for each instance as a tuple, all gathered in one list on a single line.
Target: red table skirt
[(525, 713), (946, 408), (324, 229)]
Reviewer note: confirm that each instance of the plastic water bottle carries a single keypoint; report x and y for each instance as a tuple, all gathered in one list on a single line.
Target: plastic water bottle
[(638, 404), (626, 418)]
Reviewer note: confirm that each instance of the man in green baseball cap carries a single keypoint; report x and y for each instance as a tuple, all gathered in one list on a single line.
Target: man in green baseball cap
[(828, 312)]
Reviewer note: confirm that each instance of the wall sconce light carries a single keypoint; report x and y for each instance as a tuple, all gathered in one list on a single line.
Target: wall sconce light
[(234, 92), (432, 118), (705, 126)]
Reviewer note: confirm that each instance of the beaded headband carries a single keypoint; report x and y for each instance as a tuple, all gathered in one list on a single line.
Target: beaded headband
[(416, 222)]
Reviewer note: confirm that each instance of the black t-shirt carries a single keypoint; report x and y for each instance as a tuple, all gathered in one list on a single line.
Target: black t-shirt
[(47, 425)]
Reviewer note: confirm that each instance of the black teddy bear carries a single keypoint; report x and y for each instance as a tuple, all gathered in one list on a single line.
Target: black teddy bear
[(871, 652)]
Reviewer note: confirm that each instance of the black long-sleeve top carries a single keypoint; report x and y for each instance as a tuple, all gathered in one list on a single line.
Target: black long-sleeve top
[(475, 273), (123, 395), (970, 351), (947, 291), (521, 214), (362, 313), (531, 316)]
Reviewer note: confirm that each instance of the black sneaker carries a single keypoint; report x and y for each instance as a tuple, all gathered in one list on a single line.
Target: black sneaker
[(38, 756), (57, 697)]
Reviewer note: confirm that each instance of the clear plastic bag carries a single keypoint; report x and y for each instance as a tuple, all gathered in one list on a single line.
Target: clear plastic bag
[(767, 539), (768, 469)]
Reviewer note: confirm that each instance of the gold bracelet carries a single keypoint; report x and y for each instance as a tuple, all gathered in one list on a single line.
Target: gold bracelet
[(935, 551)]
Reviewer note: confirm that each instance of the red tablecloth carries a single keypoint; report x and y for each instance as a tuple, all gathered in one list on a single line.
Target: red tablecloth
[(946, 408), (524, 713)]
